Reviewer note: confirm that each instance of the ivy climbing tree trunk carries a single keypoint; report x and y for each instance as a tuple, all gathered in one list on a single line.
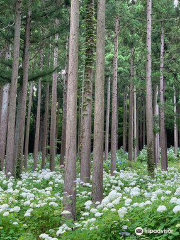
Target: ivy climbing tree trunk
[(114, 100), (13, 90), (97, 180), (107, 118), (71, 127), (149, 110), (86, 113), (54, 105), (26, 147)]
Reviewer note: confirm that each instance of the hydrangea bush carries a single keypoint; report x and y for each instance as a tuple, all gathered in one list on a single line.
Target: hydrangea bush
[(31, 208)]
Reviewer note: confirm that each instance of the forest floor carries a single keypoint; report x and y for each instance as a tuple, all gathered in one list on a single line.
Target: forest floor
[(31, 208)]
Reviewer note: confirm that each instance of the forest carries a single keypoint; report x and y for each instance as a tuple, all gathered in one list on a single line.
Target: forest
[(89, 119)]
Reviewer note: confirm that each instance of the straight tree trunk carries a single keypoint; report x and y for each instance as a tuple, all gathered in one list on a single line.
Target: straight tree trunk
[(107, 118), (20, 146), (135, 125), (114, 100), (45, 127), (164, 164), (125, 121), (54, 105), (131, 105), (71, 128), (156, 114), (149, 110), (144, 125), (38, 117), (4, 120), (13, 90), (64, 119), (26, 148), (175, 124), (97, 180), (86, 113)]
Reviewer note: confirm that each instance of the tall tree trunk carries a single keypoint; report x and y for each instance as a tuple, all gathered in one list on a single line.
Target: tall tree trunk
[(54, 105), (175, 124), (86, 113), (63, 137), (114, 100), (17, 125), (125, 120), (144, 124), (71, 128), (135, 125), (164, 164), (107, 118), (20, 146), (26, 148), (4, 120), (45, 127), (97, 180), (131, 105), (38, 117), (13, 91), (149, 110), (156, 114)]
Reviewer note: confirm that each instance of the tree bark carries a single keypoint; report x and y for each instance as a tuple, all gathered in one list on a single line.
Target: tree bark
[(86, 113), (64, 119), (38, 116), (107, 118), (125, 121), (20, 145), (71, 128), (97, 180), (175, 124), (13, 90), (135, 125), (164, 164), (26, 149), (45, 127), (114, 100), (54, 106), (149, 110), (156, 114), (131, 105), (4, 120)]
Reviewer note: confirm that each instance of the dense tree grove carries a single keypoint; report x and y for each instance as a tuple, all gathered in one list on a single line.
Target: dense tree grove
[(89, 117)]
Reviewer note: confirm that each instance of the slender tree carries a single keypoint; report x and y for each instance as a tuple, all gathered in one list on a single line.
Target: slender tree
[(26, 147), (20, 146), (175, 124), (71, 128), (114, 100), (131, 104), (54, 105), (149, 111), (97, 180), (13, 91), (125, 120), (164, 163), (107, 118)]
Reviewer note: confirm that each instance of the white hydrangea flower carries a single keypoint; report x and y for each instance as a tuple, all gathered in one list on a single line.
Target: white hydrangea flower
[(176, 209), (161, 208)]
